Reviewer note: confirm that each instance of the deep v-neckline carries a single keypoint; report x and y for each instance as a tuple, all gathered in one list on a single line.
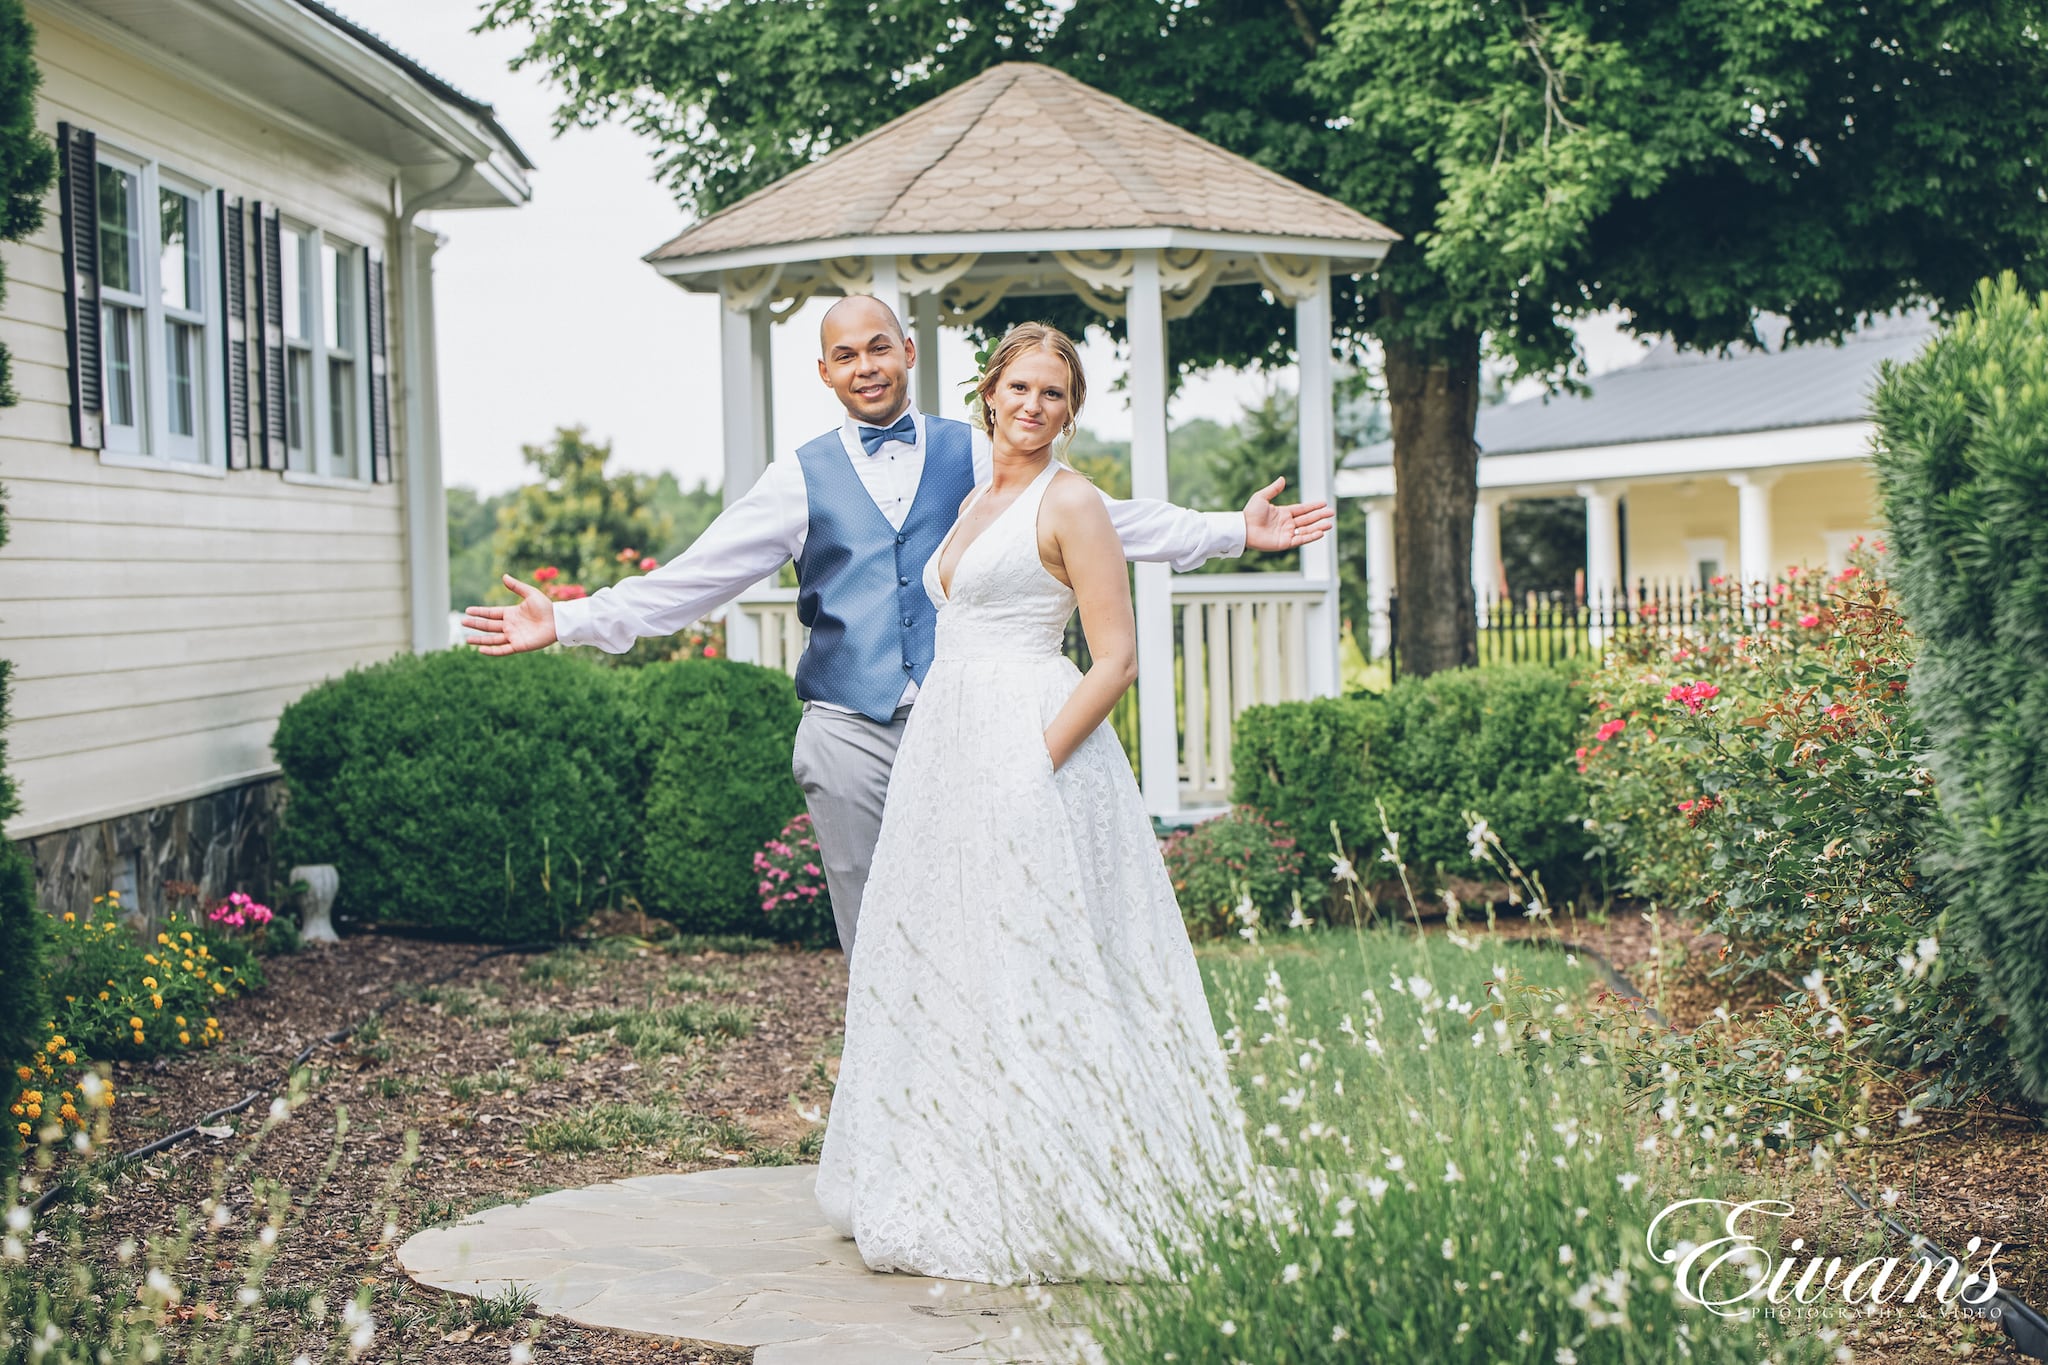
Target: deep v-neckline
[(939, 559)]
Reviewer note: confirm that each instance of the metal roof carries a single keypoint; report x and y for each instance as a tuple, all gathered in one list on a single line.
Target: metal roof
[(1673, 395)]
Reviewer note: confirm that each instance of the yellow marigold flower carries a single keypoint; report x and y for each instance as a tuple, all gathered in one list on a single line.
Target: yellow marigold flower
[(68, 1113), (219, 989), (184, 1038), (156, 1002), (150, 958), (108, 926), (212, 1022), (114, 894), (22, 1128), (181, 1021), (187, 936), (25, 1073), (35, 1111), (16, 1110), (104, 995), (205, 951), (70, 1057), (163, 938), (135, 1021), (149, 983), (57, 1041), (70, 918), (138, 1036)]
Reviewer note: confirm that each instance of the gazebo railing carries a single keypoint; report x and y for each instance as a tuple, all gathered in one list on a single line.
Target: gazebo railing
[(1239, 640)]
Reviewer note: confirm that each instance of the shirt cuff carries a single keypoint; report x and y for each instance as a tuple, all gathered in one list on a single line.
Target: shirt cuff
[(572, 618), (1226, 534)]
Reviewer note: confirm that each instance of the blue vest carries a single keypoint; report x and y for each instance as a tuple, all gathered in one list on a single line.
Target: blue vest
[(860, 581)]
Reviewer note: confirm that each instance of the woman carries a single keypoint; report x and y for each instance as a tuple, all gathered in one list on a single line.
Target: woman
[(1031, 1087)]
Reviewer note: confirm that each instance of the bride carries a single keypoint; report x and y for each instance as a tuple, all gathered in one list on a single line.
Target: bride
[(1031, 1087)]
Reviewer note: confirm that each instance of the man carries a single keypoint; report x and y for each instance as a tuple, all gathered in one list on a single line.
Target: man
[(859, 574)]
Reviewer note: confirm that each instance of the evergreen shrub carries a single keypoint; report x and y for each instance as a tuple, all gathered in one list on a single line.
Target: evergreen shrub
[(1962, 461)]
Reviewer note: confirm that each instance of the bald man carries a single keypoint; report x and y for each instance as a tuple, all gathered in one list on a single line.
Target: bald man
[(858, 510)]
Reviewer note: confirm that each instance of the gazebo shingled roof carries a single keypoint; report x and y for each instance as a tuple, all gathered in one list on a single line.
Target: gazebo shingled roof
[(1023, 147)]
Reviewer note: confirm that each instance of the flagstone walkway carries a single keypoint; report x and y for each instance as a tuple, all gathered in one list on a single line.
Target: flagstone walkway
[(741, 1257)]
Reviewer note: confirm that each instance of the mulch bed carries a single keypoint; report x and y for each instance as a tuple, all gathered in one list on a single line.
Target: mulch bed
[(729, 1099)]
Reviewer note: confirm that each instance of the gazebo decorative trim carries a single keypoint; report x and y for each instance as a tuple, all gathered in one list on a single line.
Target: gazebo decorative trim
[(1140, 219)]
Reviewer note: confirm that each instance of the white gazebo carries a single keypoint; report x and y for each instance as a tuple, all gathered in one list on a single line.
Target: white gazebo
[(1022, 182)]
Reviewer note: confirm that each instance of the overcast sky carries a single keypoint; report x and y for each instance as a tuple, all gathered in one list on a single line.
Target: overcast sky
[(548, 316)]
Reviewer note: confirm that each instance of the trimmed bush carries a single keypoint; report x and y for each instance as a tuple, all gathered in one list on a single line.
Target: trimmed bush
[(716, 738), (1497, 741), (487, 798), (1962, 461), (24, 996)]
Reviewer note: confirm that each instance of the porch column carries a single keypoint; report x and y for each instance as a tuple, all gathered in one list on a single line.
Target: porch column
[(1753, 523), (1379, 576), (886, 285), (1316, 422), (1486, 587), (925, 311), (1158, 729), (1603, 552), (744, 363)]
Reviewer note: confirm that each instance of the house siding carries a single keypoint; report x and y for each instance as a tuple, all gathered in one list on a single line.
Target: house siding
[(158, 621), (1806, 504)]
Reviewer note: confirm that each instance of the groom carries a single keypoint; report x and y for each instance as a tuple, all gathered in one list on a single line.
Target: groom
[(859, 510)]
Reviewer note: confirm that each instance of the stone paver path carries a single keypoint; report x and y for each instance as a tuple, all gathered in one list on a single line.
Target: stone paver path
[(741, 1257)]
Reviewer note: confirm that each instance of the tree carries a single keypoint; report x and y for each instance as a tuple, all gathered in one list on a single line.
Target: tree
[(472, 567), (1691, 164), (578, 519), (27, 163)]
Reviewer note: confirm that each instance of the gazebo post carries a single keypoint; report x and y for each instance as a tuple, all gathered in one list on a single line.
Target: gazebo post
[(1315, 421), (925, 310), (1158, 729), (886, 284), (744, 365)]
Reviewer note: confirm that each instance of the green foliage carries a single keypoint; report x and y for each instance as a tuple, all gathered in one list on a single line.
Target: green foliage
[(27, 162), (1497, 741), (1963, 462), (1220, 862), (491, 798), (578, 518), (113, 994), (472, 568), (24, 994), (716, 738), (1771, 780)]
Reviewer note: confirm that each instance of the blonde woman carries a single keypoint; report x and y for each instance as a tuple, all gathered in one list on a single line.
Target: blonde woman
[(1031, 1087)]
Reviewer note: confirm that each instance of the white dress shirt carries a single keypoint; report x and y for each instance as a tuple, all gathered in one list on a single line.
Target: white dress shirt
[(766, 529)]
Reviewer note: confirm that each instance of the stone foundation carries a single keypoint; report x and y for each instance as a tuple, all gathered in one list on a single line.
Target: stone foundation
[(221, 842)]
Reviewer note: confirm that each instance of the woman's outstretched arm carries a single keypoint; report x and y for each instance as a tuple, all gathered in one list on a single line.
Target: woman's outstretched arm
[(1081, 548)]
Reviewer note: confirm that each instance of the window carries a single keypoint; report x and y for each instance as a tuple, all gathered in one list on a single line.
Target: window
[(158, 313), (326, 385), (1708, 556)]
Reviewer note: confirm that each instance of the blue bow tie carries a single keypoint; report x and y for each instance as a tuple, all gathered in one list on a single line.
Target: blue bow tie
[(903, 429)]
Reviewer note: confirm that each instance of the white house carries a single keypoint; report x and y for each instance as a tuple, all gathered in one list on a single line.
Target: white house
[(1692, 466), (223, 479)]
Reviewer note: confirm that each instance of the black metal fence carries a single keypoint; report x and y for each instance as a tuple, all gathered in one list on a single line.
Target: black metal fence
[(1548, 627)]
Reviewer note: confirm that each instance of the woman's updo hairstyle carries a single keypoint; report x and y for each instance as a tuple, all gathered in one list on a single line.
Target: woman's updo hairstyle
[(1023, 338)]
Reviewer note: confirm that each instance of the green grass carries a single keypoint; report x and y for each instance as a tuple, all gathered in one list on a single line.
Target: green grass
[(606, 1127), (1480, 1201)]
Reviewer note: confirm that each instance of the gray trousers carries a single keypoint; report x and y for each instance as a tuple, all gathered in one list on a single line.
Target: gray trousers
[(842, 762)]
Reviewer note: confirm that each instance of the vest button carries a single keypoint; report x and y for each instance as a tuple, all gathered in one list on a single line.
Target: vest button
[(902, 582), (900, 539), (906, 665), (906, 620)]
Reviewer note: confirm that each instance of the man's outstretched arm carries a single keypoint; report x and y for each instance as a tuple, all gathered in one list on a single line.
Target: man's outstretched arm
[(746, 542), (1155, 530)]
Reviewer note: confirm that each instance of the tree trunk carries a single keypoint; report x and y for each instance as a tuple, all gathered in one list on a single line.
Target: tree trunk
[(1433, 400)]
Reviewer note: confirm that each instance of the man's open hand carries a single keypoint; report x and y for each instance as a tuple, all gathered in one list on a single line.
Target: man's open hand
[(530, 625), (1267, 527)]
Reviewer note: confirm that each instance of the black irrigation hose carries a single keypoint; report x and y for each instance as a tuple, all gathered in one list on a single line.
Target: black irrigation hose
[(2025, 1326), (64, 1188)]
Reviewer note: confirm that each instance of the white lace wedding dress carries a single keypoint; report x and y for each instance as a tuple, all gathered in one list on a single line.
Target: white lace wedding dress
[(1031, 1087)]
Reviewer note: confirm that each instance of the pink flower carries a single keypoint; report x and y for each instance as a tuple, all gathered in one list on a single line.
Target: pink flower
[(711, 651), (813, 870), (1692, 695), (648, 563), (1809, 621), (1685, 806), (1845, 575), (546, 574), (765, 889), (1610, 730)]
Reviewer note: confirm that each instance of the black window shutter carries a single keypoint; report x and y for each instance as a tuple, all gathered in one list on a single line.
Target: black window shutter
[(270, 333), (79, 151), (380, 382), (234, 271)]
